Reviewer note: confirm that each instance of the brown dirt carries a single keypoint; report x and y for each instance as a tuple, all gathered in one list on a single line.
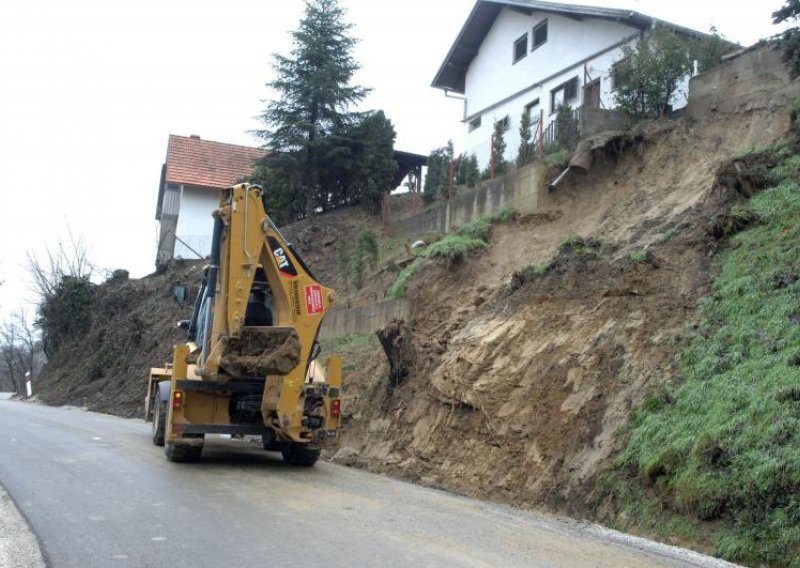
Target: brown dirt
[(262, 351), (522, 383), (133, 329), (517, 395)]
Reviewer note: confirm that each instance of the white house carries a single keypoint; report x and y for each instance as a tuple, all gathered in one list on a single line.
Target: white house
[(191, 177), (523, 55)]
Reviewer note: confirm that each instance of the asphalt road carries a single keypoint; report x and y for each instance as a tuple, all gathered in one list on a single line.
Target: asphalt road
[(97, 493)]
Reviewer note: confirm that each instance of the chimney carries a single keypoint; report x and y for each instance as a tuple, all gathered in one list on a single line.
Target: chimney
[(195, 136)]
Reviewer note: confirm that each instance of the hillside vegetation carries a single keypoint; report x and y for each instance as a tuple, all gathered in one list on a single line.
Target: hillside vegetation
[(722, 444)]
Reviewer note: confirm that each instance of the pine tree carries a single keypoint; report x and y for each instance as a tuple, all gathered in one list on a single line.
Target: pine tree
[(438, 174), (499, 147), (525, 152), (790, 39), (318, 145), (468, 172)]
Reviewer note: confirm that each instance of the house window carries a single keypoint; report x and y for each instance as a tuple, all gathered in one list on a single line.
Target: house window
[(503, 123), (521, 48), (532, 108), (564, 94), (539, 34), (474, 124)]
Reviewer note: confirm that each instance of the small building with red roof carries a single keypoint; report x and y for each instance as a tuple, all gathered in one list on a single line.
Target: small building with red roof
[(191, 177)]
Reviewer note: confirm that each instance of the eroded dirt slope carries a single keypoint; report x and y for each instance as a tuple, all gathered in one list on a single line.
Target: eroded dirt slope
[(523, 381), (133, 328)]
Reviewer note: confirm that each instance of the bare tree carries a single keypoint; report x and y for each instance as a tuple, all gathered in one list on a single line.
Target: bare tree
[(70, 259), (11, 359)]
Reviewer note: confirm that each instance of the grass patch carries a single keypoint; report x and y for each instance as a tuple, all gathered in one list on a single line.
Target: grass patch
[(725, 444), (556, 159), (455, 247), (667, 236), (639, 256), (398, 287), (534, 270), (575, 245)]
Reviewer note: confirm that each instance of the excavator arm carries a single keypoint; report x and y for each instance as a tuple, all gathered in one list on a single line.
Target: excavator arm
[(247, 368)]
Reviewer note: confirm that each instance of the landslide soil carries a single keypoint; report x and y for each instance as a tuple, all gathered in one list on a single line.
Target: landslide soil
[(522, 382), (133, 322), (133, 329)]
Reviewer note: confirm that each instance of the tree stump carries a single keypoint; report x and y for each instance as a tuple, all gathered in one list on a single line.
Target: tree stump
[(396, 341)]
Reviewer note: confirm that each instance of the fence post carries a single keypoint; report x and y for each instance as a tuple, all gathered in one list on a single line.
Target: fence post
[(541, 133), (450, 181)]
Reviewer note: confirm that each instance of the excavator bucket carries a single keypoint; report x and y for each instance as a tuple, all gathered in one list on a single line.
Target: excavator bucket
[(261, 351)]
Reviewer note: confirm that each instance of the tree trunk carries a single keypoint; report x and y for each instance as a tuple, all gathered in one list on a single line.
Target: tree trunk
[(396, 341)]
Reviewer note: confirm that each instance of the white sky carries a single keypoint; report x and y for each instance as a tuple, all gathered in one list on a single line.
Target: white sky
[(90, 90)]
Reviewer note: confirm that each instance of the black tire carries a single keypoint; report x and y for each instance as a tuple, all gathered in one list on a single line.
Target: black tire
[(159, 421), (183, 453), (295, 453), (270, 443)]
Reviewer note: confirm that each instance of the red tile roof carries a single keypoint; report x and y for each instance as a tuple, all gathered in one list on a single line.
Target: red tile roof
[(203, 163)]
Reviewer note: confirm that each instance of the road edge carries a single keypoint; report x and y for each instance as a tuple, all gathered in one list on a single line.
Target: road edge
[(19, 547)]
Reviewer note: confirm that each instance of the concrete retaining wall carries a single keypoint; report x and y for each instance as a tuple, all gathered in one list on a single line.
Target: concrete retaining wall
[(596, 120), (755, 79), (519, 189), (363, 319)]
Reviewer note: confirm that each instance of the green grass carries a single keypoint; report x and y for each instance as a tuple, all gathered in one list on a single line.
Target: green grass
[(398, 288), (557, 158), (667, 236), (724, 445), (533, 270), (639, 256), (455, 247)]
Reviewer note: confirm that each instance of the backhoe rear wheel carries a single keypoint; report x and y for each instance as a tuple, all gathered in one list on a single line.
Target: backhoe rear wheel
[(159, 421), (295, 453), (183, 453)]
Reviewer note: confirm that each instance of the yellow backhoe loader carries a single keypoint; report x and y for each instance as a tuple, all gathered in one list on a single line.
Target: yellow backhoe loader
[(248, 367)]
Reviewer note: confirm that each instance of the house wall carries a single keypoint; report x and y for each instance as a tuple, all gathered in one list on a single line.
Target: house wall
[(496, 87), (195, 224), (492, 74)]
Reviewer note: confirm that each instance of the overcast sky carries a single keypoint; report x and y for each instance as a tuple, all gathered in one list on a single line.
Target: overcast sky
[(90, 90)]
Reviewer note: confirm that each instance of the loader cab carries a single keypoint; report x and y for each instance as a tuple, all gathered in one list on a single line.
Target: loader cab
[(260, 310), (260, 305)]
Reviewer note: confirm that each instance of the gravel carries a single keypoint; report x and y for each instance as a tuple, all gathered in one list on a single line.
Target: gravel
[(18, 545)]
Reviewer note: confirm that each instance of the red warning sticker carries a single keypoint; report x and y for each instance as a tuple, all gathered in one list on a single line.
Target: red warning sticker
[(314, 300)]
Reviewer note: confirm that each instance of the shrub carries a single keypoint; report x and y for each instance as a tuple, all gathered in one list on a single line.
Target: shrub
[(67, 312), (118, 275)]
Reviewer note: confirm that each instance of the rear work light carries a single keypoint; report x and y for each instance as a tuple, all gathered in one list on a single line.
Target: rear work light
[(177, 399), (336, 407)]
